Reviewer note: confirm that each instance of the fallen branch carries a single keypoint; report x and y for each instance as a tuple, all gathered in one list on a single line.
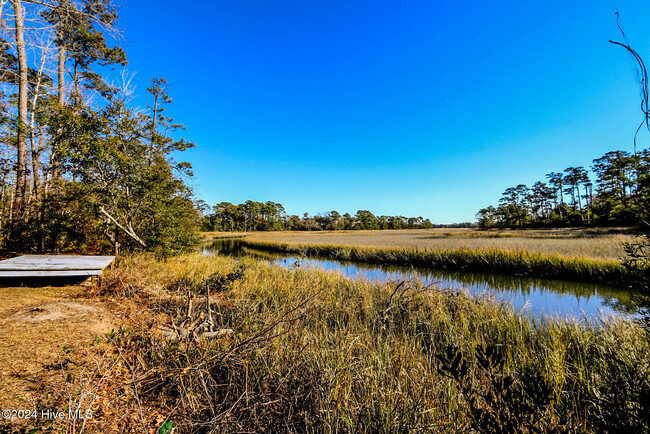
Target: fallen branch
[(128, 231)]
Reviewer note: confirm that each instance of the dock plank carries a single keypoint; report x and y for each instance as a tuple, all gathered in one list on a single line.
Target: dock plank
[(54, 265), (49, 273)]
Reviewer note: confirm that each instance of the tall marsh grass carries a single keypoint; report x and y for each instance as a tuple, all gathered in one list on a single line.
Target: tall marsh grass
[(589, 243), (312, 351), (517, 263)]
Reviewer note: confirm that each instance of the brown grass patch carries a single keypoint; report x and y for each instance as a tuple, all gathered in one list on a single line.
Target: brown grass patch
[(589, 243), (36, 325)]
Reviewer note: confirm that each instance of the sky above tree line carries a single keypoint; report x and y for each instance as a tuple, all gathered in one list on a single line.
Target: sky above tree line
[(416, 108)]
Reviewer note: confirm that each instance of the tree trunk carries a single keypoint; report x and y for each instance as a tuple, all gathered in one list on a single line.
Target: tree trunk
[(61, 70), (36, 163), (116, 246), (21, 142), (36, 148), (77, 97), (75, 78), (153, 127), (61, 59)]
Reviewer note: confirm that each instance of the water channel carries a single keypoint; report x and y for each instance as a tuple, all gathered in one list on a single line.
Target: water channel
[(535, 297)]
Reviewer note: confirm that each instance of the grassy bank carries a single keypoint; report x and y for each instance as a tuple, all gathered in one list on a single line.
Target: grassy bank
[(516, 263), (593, 243), (306, 350)]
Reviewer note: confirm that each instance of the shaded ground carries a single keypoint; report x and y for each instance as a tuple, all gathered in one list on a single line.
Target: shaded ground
[(36, 325)]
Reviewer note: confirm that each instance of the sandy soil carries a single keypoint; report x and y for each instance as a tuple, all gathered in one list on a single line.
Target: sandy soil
[(37, 325)]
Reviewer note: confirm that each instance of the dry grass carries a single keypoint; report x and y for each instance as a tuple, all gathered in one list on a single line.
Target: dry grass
[(491, 261), (36, 324), (313, 351), (588, 243)]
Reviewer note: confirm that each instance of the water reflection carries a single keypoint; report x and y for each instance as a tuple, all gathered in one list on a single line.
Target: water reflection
[(529, 295)]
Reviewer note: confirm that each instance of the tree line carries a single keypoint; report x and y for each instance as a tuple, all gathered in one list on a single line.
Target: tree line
[(81, 167), (617, 194), (271, 216)]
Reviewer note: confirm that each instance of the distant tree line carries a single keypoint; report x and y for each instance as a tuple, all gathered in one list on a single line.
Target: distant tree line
[(271, 216), (618, 195)]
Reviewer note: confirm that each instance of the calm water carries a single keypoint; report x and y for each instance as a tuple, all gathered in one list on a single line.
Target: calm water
[(529, 295)]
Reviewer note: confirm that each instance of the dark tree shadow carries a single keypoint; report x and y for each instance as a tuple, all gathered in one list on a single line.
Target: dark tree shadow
[(9, 282)]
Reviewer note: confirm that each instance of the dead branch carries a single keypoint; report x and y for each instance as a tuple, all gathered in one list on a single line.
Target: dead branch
[(128, 231)]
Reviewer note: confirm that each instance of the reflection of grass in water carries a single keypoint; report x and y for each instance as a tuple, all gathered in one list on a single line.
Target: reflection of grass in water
[(227, 246), (312, 351), (514, 263), (618, 299)]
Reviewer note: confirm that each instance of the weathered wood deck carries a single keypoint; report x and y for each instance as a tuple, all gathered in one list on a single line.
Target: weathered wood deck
[(54, 265)]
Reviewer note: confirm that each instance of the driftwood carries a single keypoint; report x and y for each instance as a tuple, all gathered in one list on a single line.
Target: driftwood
[(193, 332), (194, 328)]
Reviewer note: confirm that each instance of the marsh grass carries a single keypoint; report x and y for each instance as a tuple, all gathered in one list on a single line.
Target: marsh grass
[(314, 351), (604, 244), (493, 261)]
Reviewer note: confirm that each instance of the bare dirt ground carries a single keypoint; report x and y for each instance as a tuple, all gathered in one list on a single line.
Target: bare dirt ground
[(37, 325)]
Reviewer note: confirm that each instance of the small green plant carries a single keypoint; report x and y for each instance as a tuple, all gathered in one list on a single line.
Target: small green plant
[(166, 427), (637, 261)]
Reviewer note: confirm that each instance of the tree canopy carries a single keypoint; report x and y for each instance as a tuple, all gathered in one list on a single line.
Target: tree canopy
[(271, 216), (618, 196), (81, 167)]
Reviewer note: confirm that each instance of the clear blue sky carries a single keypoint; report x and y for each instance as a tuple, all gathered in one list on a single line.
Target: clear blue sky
[(428, 108)]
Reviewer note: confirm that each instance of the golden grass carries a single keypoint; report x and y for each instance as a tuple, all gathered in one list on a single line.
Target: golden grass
[(314, 351), (588, 243), (493, 261)]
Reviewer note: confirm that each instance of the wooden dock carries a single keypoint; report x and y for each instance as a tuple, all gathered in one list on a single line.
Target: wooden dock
[(54, 266)]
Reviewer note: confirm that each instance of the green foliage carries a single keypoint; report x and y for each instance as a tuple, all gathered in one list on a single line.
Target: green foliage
[(102, 174), (166, 427), (64, 222), (127, 191), (637, 260), (621, 197), (270, 216), (366, 219), (79, 30)]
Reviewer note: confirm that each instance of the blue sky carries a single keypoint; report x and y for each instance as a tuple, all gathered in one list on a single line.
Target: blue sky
[(416, 108)]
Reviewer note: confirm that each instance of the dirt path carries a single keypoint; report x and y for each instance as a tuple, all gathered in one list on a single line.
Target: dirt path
[(37, 324)]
